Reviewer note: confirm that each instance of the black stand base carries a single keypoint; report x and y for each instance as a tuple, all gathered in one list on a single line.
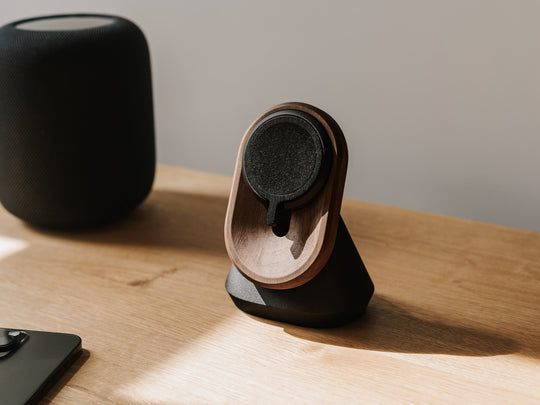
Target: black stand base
[(338, 294)]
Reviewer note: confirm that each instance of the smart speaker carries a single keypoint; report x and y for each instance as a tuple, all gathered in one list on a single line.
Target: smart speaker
[(77, 142), (293, 259)]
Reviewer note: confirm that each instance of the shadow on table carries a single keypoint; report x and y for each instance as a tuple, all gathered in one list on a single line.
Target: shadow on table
[(387, 327), (64, 379), (139, 293), (165, 219)]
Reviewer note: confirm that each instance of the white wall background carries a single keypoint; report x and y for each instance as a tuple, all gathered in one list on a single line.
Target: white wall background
[(439, 100)]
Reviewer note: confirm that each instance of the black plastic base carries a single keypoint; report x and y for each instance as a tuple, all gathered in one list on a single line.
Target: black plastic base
[(338, 294)]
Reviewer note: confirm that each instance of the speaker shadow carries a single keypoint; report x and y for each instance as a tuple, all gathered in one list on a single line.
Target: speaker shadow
[(166, 219), (388, 327)]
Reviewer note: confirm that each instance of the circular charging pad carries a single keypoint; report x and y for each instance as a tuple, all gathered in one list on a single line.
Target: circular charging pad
[(286, 161)]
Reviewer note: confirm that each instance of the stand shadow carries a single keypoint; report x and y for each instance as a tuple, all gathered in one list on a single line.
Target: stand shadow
[(165, 219), (300, 234), (387, 327)]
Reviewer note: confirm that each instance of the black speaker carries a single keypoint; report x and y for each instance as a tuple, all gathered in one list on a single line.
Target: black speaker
[(77, 144)]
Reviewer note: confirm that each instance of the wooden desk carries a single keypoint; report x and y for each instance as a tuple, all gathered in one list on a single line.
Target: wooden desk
[(455, 316)]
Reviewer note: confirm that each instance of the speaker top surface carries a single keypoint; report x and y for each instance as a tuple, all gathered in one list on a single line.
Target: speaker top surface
[(83, 34), (65, 23)]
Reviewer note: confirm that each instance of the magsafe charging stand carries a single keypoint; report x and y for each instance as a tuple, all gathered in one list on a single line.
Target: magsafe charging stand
[(293, 258)]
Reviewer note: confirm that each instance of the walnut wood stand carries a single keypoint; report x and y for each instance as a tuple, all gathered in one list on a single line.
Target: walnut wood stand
[(313, 275)]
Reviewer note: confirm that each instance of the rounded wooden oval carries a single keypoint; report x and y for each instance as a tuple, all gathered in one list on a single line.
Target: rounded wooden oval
[(292, 260)]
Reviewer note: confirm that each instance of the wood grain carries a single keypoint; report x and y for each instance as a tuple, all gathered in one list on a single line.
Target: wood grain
[(294, 259), (454, 319)]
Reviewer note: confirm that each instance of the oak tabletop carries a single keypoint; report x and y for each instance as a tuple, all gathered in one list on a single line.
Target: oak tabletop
[(455, 316)]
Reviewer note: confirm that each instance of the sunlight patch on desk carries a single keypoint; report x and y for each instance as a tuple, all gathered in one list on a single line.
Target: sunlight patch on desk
[(246, 359), (9, 246), (179, 377)]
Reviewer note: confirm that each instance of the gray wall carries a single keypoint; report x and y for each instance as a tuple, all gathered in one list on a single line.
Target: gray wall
[(439, 100)]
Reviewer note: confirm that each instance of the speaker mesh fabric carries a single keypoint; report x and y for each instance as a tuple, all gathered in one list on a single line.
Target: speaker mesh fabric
[(76, 123)]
